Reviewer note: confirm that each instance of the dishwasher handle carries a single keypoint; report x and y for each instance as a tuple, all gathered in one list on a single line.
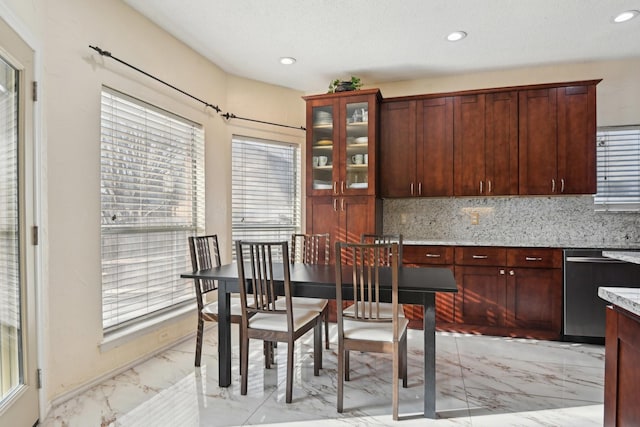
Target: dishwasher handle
[(594, 260)]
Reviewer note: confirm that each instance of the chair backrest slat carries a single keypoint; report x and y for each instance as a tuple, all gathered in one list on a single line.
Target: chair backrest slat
[(385, 255), (367, 260), (310, 248), (258, 258), (205, 254)]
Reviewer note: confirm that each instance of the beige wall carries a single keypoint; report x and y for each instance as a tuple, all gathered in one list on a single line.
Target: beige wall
[(618, 95), (72, 76)]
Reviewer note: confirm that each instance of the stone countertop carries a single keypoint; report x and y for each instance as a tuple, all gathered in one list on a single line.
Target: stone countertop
[(628, 256), (428, 242), (626, 298)]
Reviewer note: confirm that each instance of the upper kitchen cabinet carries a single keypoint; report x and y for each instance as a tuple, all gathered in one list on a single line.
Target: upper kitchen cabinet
[(398, 163), (557, 149), (435, 147), (342, 133), (416, 148), (486, 144)]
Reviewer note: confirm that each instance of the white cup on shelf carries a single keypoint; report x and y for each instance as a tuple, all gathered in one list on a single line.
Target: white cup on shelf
[(322, 160), (357, 159), (314, 161), (366, 159)]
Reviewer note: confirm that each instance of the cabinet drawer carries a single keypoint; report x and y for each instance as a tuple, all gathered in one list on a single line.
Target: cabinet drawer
[(479, 255), (436, 255), (534, 257)]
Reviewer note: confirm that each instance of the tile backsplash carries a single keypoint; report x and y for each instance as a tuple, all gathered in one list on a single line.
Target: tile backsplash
[(567, 221)]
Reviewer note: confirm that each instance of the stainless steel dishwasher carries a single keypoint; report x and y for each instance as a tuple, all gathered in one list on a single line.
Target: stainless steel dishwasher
[(585, 270)]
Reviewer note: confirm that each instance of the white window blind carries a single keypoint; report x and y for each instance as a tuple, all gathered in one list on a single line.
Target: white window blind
[(266, 196), (618, 151), (11, 332), (152, 199)]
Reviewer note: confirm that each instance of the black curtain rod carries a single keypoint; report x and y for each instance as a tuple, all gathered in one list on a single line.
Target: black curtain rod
[(107, 53), (233, 116), (215, 107)]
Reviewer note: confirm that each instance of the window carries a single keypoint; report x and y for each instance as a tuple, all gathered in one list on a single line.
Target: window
[(618, 151), (152, 199), (265, 189)]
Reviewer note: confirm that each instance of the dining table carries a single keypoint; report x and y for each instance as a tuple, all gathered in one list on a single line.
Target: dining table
[(416, 285)]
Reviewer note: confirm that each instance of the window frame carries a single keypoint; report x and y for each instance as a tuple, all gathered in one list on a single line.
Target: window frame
[(625, 170), (260, 228), (164, 157)]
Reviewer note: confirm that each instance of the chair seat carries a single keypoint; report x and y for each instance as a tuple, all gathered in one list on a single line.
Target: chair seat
[(235, 307), (386, 309), (278, 321), (316, 304), (372, 331)]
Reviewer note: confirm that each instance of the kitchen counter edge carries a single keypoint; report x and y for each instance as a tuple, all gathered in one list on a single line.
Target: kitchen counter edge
[(625, 298)]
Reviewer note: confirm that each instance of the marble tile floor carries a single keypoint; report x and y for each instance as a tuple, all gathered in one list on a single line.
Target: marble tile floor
[(480, 381)]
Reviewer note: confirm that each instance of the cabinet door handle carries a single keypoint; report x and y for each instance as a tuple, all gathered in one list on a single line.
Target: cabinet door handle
[(480, 256), (341, 187), (335, 187), (531, 258), (433, 255), (335, 205), (562, 185), (512, 273), (342, 204), (489, 187), (553, 185), (412, 188), (502, 272), (480, 187), (419, 189)]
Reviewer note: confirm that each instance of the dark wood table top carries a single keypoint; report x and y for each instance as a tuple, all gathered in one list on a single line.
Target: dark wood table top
[(418, 279)]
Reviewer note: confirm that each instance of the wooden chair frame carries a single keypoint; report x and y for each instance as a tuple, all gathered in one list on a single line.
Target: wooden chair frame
[(256, 275), (313, 249), (366, 260)]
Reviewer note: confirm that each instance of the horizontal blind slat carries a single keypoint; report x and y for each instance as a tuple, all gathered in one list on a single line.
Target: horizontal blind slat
[(152, 181)]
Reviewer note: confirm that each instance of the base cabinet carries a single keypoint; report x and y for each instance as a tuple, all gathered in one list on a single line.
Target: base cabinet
[(501, 291), (622, 369), (426, 256)]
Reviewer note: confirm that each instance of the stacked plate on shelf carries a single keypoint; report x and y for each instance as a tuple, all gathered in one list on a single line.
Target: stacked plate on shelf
[(323, 118), (322, 185)]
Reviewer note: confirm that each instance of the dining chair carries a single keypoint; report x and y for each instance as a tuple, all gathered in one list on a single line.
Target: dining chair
[(205, 254), (312, 249), (263, 319), (367, 328), (384, 238), (385, 260)]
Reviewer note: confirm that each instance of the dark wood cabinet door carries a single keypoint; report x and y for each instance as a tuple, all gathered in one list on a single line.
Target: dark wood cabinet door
[(398, 149), (435, 147), (577, 139), (481, 296), (501, 142), (357, 216), (322, 215), (538, 142), (322, 142), (469, 145), (534, 299)]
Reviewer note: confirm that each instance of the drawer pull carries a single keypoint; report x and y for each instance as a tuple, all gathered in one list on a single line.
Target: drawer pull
[(531, 258), (433, 255), (480, 256)]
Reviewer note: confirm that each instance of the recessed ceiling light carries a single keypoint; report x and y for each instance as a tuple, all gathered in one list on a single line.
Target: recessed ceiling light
[(287, 60), (626, 16), (456, 35)]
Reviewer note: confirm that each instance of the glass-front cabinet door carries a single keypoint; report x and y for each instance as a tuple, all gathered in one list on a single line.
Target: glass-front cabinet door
[(341, 143), (356, 166), (324, 138)]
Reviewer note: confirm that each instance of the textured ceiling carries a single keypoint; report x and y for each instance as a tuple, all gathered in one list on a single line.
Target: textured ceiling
[(393, 40)]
